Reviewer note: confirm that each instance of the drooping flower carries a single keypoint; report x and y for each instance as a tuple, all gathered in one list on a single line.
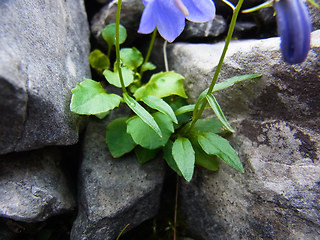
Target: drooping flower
[(169, 15), (294, 28)]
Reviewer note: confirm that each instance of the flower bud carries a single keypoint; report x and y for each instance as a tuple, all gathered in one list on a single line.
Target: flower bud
[(294, 28)]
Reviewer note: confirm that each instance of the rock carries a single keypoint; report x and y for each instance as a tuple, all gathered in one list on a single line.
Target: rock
[(131, 11), (208, 30), (33, 187), (277, 124), (44, 48), (245, 29), (113, 192), (314, 14)]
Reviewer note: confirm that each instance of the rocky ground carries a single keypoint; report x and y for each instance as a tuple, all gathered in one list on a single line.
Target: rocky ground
[(58, 179)]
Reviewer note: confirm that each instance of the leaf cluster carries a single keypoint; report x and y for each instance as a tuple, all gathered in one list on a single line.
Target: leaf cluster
[(161, 119)]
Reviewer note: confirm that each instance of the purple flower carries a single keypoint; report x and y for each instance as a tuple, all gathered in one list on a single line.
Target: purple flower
[(294, 28), (169, 15)]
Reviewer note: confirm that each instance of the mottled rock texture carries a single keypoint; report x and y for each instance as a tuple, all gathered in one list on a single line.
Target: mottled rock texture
[(44, 47), (33, 187), (276, 119), (113, 192)]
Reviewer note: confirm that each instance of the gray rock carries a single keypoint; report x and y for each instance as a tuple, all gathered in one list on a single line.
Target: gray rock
[(44, 48), (211, 29), (315, 15), (113, 192), (33, 187), (277, 124), (131, 11)]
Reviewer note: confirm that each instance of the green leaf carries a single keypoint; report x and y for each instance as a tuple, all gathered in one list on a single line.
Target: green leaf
[(209, 162), (147, 66), (117, 138), (199, 101), (90, 98), (161, 85), (184, 109), (102, 115), (160, 105), (217, 110), (145, 136), (213, 144), (131, 57), (167, 155), (144, 155), (184, 157), (109, 34), (142, 113), (208, 125), (98, 60), (231, 81), (113, 77)]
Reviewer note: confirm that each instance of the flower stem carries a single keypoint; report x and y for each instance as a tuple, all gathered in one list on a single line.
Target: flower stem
[(197, 114), (124, 90), (165, 58), (153, 37)]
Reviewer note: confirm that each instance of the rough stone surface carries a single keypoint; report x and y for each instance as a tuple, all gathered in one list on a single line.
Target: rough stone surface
[(315, 15), (131, 11), (208, 30), (33, 187), (44, 46), (277, 137), (113, 192)]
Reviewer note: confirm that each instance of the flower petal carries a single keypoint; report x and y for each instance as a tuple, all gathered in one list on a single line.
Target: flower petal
[(200, 10), (170, 21), (148, 20), (294, 27)]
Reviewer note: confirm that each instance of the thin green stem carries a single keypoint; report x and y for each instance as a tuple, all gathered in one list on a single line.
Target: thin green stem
[(165, 58), (153, 37), (124, 90), (176, 209), (197, 114), (122, 231)]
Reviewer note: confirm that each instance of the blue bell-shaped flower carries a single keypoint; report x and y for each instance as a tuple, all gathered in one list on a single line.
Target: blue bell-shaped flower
[(294, 28)]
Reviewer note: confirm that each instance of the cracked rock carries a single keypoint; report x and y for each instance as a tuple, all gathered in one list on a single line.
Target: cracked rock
[(33, 187), (276, 118), (113, 192), (44, 48)]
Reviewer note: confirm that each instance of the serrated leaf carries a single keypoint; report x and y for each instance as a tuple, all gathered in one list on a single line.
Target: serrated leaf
[(143, 135), (148, 66), (98, 60), (142, 113), (109, 34), (213, 144), (161, 85), (231, 81), (131, 58), (113, 77), (218, 112), (90, 98), (184, 157), (160, 105), (118, 140), (144, 155), (167, 155)]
